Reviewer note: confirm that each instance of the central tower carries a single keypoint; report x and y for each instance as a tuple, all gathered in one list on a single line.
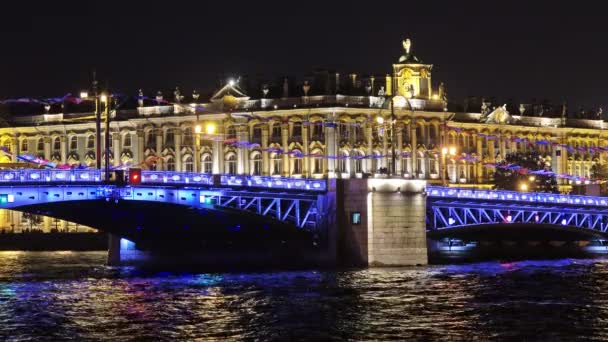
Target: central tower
[(411, 78)]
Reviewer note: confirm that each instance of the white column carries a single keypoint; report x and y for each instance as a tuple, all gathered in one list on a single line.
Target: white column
[(159, 150), (265, 160), (330, 143), (178, 149), (63, 149), (116, 147)]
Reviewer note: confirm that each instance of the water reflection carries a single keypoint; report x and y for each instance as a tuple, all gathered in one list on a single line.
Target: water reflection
[(72, 296)]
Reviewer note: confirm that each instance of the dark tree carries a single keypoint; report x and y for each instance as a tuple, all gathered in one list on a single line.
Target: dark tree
[(518, 179), (600, 172)]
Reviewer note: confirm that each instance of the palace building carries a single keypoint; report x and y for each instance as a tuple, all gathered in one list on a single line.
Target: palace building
[(328, 125)]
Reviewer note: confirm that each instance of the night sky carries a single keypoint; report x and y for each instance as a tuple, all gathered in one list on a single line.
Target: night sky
[(519, 50)]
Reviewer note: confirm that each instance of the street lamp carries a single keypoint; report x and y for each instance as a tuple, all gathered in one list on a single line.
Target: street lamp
[(198, 129), (105, 99), (85, 96), (197, 148)]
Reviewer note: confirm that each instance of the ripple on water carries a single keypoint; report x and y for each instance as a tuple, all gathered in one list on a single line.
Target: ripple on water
[(61, 296)]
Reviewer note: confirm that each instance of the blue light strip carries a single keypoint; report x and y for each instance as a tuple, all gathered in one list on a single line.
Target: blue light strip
[(503, 195), (162, 177)]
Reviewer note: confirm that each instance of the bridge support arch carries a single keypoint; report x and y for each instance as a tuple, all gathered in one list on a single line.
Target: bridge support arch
[(381, 222)]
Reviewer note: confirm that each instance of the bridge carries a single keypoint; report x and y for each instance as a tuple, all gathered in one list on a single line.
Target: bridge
[(334, 211)]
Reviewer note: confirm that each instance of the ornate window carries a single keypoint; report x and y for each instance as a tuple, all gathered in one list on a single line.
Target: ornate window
[(317, 162), (188, 141), (207, 163), (359, 163), (56, 144), (188, 164), (73, 142), (256, 164), (276, 131), (317, 131), (375, 162), (91, 141), (277, 163), (231, 134), (24, 145), (169, 138), (127, 140), (257, 134), (296, 164), (297, 129), (40, 146), (343, 162), (150, 141), (170, 164), (230, 164)]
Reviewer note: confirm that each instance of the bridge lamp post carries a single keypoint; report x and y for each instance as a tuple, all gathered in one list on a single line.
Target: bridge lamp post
[(95, 97), (198, 129), (197, 148), (523, 187), (105, 99)]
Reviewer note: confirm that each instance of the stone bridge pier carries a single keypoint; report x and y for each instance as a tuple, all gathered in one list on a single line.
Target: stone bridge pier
[(381, 222)]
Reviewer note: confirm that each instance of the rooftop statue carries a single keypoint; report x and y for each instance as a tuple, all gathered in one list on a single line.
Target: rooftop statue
[(500, 115), (408, 57)]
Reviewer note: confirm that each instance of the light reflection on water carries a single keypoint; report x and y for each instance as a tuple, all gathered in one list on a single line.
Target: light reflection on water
[(73, 296)]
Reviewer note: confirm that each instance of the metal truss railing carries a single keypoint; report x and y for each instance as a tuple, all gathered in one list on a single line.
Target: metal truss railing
[(300, 210), (454, 214)]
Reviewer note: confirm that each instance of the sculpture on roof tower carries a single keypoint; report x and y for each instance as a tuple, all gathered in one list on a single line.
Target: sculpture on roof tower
[(407, 46)]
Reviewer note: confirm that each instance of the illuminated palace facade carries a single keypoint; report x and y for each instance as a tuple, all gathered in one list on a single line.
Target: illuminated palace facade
[(330, 125)]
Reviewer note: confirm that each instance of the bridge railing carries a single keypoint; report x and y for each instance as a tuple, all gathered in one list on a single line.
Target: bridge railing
[(275, 182), (162, 177), (174, 177), (503, 195), (45, 176)]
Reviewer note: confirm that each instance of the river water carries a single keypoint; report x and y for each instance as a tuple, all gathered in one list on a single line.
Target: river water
[(73, 296)]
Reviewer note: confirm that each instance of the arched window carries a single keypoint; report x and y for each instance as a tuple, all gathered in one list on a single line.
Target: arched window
[(40, 146), (207, 162), (188, 164), (297, 164), (73, 142), (432, 165), (56, 144), (256, 164), (277, 163), (170, 164), (317, 162), (230, 164), (127, 140), (24, 145), (91, 141)]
